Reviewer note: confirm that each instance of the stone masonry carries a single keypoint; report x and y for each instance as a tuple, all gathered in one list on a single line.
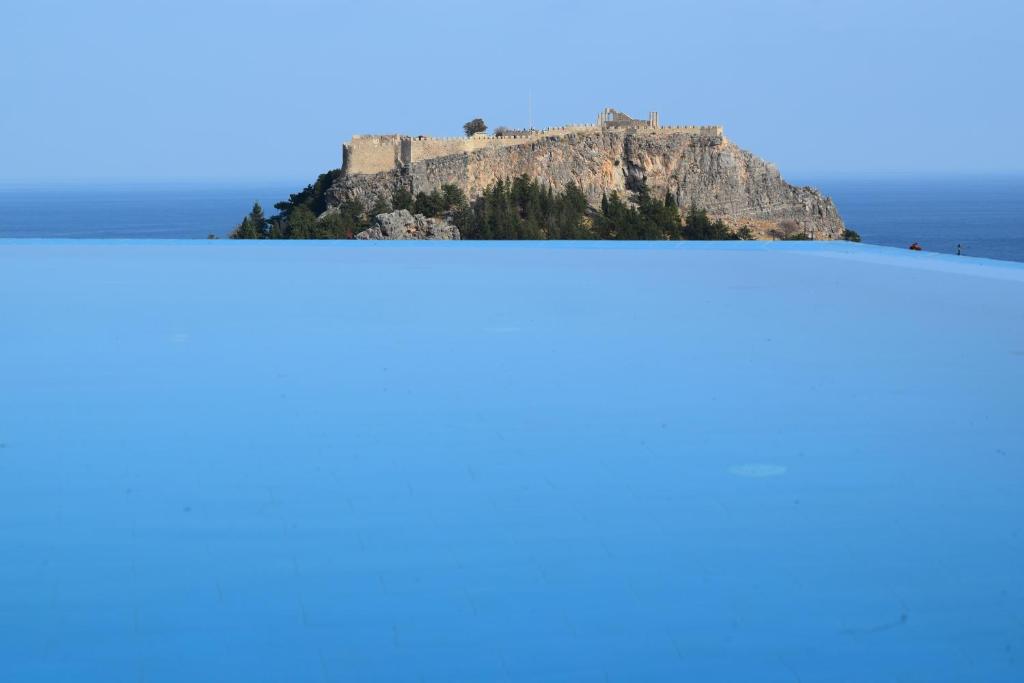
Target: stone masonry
[(696, 164)]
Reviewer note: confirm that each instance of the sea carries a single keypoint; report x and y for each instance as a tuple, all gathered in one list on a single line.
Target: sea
[(983, 215)]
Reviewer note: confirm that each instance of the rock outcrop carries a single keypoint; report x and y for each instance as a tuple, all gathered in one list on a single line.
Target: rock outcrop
[(702, 168), (402, 225)]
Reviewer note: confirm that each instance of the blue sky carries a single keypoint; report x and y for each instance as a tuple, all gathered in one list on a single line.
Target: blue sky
[(268, 89)]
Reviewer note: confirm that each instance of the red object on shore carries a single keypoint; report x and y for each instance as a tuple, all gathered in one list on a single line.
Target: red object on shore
[(915, 247)]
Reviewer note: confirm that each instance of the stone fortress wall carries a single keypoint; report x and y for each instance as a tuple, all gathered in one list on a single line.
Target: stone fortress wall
[(695, 164), (381, 153)]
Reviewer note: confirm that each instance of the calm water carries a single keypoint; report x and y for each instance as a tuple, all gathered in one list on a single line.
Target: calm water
[(178, 211), (260, 483), (985, 215)]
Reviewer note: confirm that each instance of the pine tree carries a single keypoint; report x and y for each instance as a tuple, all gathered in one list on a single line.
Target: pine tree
[(302, 224), (258, 220), (454, 197), (671, 218), (380, 206), (699, 226), (244, 231), (401, 199), (253, 226)]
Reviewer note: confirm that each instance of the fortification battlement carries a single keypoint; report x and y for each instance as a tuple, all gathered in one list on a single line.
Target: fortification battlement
[(365, 154)]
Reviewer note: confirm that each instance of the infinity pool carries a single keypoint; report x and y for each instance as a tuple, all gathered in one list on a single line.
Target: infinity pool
[(226, 461)]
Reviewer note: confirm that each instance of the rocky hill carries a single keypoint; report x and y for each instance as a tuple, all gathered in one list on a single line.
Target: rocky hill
[(696, 165)]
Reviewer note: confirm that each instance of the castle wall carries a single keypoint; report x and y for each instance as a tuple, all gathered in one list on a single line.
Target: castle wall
[(379, 153), (371, 154), (366, 154), (696, 164), (716, 131), (432, 148)]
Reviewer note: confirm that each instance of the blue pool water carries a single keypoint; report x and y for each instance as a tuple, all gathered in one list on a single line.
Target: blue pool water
[(466, 462)]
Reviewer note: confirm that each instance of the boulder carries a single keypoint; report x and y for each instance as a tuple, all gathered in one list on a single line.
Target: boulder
[(403, 225)]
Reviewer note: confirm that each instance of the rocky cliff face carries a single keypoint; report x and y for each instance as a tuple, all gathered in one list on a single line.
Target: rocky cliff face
[(706, 169), (402, 225)]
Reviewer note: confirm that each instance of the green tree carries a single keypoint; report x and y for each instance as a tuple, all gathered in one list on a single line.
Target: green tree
[(402, 199), (344, 221), (620, 221), (313, 197), (500, 219), (699, 226), (569, 210), (259, 221), (658, 220), (380, 206), (430, 205), (302, 224), (671, 218), (473, 127), (463, 219), (253, 226), (453, 195), (244, 231), (334, 226)]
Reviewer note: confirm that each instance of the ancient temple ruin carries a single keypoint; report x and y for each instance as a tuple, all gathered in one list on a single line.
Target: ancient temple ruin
[(613, 118)]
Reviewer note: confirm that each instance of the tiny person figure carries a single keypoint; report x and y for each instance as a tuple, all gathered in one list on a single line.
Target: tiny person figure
[(915, 247), (958, 250)]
